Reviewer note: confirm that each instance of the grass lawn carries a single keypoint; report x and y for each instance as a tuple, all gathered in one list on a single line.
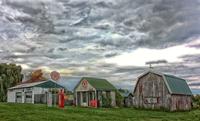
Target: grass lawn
[(30, 112)]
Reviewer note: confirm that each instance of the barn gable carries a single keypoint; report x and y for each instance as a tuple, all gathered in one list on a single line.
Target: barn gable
[(143, 76)]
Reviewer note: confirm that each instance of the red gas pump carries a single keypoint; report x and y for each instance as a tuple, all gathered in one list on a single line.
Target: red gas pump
[(61, 98), (94, 103)]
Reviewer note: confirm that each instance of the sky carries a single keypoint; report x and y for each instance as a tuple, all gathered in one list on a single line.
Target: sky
[(111, 39)]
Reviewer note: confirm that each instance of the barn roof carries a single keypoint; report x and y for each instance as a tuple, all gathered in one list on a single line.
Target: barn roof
[(43, 84), (177, 85), (174, 84), (98, 84)]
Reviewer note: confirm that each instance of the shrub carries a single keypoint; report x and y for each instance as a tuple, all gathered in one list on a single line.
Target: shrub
[(106, 102), (196, 101), (119, 99)]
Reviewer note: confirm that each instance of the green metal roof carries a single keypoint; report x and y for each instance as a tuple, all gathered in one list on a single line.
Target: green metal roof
[(43, 84), (49, 84), (99, 84), (177, 85)]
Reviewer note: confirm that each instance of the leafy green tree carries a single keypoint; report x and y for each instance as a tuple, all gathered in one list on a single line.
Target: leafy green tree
[(196, 101), (106, 101), (119, 99), (10, 75)]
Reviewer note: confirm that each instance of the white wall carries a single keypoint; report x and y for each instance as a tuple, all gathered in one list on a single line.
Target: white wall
[(113, 95), (35, 90), (11, 96)]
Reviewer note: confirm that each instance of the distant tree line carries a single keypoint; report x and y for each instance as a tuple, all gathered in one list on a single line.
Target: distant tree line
[(10, 75)]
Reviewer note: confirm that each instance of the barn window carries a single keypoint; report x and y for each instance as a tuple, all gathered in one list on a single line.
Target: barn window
[(151, 100)]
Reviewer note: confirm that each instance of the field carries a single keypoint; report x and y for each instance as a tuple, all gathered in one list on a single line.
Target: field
[(29, 112)]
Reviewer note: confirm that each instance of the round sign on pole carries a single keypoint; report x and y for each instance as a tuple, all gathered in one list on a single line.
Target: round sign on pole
[(55, 75)]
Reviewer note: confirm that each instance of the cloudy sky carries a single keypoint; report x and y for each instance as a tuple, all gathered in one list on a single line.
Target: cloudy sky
[(109, 39)]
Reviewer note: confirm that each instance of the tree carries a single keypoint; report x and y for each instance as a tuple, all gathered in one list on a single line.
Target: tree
[(196, 101), (10, 75), (119, 99), (37, 75), (106, 101)]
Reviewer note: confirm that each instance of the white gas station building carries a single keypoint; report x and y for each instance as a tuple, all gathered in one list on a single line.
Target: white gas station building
[(34, 92)]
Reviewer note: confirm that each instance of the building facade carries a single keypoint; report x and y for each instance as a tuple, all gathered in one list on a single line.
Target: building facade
[(127, 97), (156, 91), (128, 100), (35, 92), (94, 92)]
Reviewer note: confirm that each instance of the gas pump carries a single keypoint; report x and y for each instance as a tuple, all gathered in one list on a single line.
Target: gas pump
[(61, 96)]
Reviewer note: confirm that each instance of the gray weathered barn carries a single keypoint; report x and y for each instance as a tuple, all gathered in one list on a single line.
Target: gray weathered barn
[(162, 91)]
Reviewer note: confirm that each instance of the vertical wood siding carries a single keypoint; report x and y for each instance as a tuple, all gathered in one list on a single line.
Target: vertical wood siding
[(151, 86), (181, 102)]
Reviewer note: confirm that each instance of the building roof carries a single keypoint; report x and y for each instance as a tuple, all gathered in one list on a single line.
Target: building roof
[(126, 94), (177, 85), (43, 84), (98, 84), (174, 84)]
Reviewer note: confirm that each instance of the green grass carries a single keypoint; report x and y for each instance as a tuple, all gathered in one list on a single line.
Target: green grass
[(29, 112)]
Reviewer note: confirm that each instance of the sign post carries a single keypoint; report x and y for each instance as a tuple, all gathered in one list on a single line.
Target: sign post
[(55, 76)]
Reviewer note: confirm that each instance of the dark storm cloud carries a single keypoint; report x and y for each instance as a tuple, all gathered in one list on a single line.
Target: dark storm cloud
[(156, 23), (195, 46), (168, 22), (108, 55), (79, 34), (191, 58)]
